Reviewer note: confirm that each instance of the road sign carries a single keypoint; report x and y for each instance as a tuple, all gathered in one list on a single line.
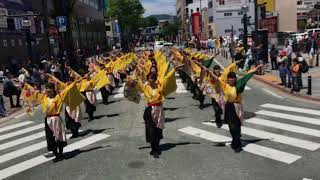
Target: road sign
[(61, 22)]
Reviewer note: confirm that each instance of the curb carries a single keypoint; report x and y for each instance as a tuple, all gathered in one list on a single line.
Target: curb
[(305, 97), (18, 113)]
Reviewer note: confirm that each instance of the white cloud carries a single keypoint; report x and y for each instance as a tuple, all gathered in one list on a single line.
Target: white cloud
[(159, 7)]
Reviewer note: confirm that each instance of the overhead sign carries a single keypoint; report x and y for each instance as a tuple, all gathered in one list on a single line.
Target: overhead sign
[(3, 18), (270, 4), (61, 22)]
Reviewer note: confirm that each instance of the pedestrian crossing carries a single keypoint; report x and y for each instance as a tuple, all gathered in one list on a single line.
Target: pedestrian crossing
[(24, 140), (272, 126)]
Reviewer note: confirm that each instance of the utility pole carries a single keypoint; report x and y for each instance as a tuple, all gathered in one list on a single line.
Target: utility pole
[(245, 31), (201, 17), (46, 24), (256, 17)]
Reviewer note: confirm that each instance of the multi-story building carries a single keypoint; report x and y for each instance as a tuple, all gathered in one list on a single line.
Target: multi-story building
[(223, 14), (88, 28), (182, 16), (303, 9), (201, 7)]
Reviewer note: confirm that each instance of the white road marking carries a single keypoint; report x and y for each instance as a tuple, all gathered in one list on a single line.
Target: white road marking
[(21, 152), (289, 117), (293, 109), (312, 146), (28, 164), (286, 127), (22, 140), (247, 88), (20, 115), (14, 126), (99, 96), (181, 88), (219, 64), (23, 131), (120, 92), (272, 93), (306, 179), (251, 148)]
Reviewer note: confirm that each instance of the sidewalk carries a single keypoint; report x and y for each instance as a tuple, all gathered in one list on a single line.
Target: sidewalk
[(271, 78)]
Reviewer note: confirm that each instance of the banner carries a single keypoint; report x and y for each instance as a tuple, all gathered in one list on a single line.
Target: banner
[(271, 24), (196, 23)]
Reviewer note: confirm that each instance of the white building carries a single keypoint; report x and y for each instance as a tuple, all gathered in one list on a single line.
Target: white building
[(200, 6), (225, 13)]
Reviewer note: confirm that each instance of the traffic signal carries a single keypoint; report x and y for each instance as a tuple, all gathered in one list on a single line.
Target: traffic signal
[(263, 12)]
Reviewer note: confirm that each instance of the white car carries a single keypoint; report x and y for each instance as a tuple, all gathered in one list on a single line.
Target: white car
[(161, 44)]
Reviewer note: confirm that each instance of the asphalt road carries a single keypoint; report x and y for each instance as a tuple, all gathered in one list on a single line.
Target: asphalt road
[(113, 146)]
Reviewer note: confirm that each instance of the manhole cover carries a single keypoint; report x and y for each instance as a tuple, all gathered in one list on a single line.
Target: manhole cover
[(136, 164)]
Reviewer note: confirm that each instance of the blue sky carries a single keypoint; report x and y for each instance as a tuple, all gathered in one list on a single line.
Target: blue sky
[(159, 7)]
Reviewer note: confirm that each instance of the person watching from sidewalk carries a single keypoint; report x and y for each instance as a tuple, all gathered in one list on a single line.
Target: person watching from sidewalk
[(295, 69), (274, 52), (289, 54), (283, 72), (313, 51), (10, 89)]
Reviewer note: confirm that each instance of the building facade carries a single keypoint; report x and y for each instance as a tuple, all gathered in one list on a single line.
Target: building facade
[(88, 28), (201, 7), (223, 14)]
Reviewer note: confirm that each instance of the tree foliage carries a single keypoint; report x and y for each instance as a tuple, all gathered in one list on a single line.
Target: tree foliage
[(150, 21), (129, 14), (171, 29)]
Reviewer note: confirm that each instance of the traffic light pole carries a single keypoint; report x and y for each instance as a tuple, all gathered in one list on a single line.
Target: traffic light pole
[(29, 44), (256, 17), (245, 31)]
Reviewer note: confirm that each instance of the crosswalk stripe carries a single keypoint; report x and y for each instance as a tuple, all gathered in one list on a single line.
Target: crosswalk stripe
[(22, 140), (283, 126), (289, 117), (251, 148), (21, 152), (14, 126), (20, 167), (293, 109), (312, 146), (247, 88), (99, 96), (22, 131)]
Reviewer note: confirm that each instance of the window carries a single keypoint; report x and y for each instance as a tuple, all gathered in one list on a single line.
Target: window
[(108, 28), (5, 43), (197, 9), (240, 13), (20, 42), (191, 11), (211, 19), (228, 30), (227, 14), (13, 43), (86, 1), (210, 4), (221, 2), (299, 2), (240, 30)]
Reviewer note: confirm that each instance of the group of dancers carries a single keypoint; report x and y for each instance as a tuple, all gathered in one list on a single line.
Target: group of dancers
[(147, 73)]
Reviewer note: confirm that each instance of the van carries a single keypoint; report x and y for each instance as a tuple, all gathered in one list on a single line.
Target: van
[(311, 32)]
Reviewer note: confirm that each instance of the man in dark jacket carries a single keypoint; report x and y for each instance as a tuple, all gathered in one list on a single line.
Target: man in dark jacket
[(9, 90)]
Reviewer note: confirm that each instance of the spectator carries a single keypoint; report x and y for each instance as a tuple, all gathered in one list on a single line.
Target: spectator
[(313, 51), (3, 112), (9, 90), (289, 54), (295, 73), (274, 52), (283, 72)]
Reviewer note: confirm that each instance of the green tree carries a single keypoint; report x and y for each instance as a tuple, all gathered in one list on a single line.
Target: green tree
[(129, 14), (171, 30), (150, 21)]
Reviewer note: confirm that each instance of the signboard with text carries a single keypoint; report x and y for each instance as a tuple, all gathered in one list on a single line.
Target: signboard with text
[(271, 24), (196, 23), (61, 22)]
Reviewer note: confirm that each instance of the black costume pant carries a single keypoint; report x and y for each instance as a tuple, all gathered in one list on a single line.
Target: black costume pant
[(234, 123), (217, 112), (153, 133), (72, 124), (104, 94), (53, 144), (90, 108)]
